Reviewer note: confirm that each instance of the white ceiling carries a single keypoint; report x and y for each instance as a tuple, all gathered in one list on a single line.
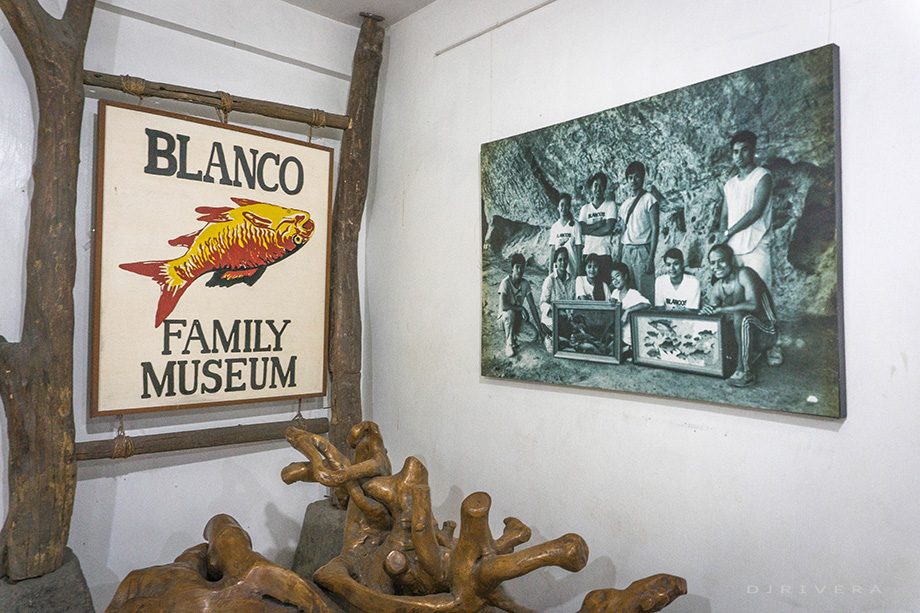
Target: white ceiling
[(348, 11)]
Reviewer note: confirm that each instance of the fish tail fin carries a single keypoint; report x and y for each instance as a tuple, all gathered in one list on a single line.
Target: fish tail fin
[(172, 286), (169, 297)]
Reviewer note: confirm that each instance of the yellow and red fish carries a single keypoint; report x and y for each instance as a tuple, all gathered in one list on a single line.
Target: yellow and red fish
[(237, 245)]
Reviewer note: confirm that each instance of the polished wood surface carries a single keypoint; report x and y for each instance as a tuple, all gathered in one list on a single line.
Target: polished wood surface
[(223, 574), (397, 560)]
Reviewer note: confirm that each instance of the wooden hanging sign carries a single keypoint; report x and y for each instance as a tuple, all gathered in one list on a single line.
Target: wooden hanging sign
[(211, 265)]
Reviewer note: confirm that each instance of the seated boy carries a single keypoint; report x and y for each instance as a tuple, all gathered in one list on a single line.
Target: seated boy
[(676, 291), (513, 293)]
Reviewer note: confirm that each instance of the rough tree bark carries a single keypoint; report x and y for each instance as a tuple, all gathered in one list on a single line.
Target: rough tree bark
[(36, 374), (152, 89), (350, 193)]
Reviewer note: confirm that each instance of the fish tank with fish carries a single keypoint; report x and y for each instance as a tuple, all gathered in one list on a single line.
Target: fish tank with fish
[(684, 341), (587, 330)]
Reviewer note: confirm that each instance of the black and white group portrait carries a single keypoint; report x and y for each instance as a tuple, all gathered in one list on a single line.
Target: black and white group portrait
[(683, 245)]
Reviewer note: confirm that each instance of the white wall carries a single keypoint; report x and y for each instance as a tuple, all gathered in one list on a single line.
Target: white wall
[(144, 511), (734, 500), (739, 502)]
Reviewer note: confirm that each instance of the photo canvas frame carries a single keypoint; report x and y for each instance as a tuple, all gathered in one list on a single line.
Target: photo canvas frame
[(683, 141), (211, 264)]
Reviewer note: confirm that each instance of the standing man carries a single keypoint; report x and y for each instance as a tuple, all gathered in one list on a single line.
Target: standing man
[(676, 290), (513, 294), (598, 222), (566, 232), (638, 219), (747, 215), (739, 292)]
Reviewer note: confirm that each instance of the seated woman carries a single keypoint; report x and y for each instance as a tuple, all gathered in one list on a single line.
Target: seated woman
[(630, 300), (590, 287), (558, 285)]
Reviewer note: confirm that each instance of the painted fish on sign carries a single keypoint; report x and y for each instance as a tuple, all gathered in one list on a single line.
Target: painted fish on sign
[(236, 245)]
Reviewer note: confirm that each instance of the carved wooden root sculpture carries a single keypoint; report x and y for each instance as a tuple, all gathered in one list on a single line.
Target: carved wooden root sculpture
[(224, 574), (396, 559), (643, 596), (408, 565)]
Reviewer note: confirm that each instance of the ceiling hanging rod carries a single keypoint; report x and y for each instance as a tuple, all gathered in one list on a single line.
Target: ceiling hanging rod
[(222, 101), (493, 27)]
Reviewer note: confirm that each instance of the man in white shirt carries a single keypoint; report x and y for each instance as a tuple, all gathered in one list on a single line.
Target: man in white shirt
[(566, 232), (747, 215), (598, 223), (676, 290)]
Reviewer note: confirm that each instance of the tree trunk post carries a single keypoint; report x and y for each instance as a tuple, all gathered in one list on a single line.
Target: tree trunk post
[(36, 374), (350, 194)]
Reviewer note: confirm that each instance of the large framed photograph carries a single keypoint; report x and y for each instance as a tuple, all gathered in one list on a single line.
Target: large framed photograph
[(211, 264), (587, 330), (719, 199), (683, 341)]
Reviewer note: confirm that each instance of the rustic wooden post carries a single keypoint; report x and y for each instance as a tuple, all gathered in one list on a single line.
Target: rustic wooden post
[(36, 374), (350, 194)]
